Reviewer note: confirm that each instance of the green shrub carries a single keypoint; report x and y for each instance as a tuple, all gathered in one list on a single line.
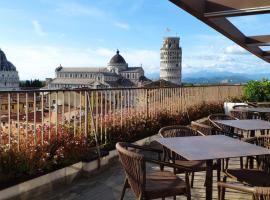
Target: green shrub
[(257, 91)]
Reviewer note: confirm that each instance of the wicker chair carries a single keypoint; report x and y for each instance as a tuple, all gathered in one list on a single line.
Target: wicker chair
[(182, 131), (222, 129), (258, 193), (244, 114), (259, 177), (202, 128), (152, 185)]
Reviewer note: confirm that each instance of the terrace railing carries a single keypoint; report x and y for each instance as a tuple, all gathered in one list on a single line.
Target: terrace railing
[(35, 117)]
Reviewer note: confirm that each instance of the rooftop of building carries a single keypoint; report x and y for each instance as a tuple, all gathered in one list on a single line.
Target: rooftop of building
[(5, 65)]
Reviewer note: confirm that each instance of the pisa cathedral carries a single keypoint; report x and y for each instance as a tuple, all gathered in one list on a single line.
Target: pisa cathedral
[(9, 78), (116, 74), (171, 60)]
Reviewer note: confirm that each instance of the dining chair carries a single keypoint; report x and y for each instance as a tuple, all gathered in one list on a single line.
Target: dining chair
[(258, 193), (244, 114), (259, 177), (222, 129), (183, 131), (147, 184), (202, 128)]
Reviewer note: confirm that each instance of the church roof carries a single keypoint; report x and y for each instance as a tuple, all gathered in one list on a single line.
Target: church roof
[(117, 59), (5, 65), (132, 69), (79, 81), (81, 69)]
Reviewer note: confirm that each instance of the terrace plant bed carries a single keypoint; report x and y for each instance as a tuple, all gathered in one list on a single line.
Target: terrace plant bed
[(33, 161)]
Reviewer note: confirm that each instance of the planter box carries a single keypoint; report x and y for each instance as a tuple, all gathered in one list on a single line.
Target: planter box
[(65, 175), (228, 106)]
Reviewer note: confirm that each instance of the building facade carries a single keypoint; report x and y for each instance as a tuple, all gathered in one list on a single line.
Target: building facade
[(171, 60), (9, 78), (116, 74)]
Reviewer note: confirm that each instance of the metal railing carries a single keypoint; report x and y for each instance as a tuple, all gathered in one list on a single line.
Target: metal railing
[(38, 116)]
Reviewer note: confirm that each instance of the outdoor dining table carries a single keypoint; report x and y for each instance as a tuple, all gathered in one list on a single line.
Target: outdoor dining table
[(263, 111), (209, 148), (251, 125), (255, 109)]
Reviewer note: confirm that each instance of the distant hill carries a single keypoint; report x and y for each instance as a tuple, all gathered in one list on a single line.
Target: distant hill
[(212, 77), (215, 80)]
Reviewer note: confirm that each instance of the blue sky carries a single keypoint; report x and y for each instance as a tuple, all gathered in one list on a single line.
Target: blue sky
[(38, 35)]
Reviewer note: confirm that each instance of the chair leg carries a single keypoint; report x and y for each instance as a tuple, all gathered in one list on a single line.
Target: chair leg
[(188, 193), (222, 190), (192, 179), (126, 185), (218, 175)]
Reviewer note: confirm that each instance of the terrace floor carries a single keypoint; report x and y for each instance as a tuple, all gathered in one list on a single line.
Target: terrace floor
[(107, 185)]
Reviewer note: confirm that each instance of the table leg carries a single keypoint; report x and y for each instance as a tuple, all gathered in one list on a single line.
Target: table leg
[(209, 179), (252, 133), (218, 173)]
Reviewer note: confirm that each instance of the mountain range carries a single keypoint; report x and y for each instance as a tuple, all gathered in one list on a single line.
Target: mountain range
[(210, 77)]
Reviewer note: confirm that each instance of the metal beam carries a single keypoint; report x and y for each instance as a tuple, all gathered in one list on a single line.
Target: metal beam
[(224, 26), (230, 8), (266, 54), (261, 40)]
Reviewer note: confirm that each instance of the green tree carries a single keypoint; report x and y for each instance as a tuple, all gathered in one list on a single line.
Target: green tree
[(257, 90)]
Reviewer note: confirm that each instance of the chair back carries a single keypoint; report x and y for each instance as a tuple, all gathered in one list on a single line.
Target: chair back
[(244, 114), (178, 131), (202, 128), (261, 193), (134, 166), (264, 160), (221, 127), (242, 106)]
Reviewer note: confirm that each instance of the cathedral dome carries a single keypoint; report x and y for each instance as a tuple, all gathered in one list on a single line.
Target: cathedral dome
[(5, 65), (117, 59)]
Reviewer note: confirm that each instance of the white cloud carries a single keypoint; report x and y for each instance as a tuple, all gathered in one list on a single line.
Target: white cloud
[(122, 25), (76, 9), (38, 28), (234, 49), (40, 61)]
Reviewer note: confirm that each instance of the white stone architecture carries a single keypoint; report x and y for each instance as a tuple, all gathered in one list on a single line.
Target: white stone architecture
[(9, 78), (171, 60), (116, 74)]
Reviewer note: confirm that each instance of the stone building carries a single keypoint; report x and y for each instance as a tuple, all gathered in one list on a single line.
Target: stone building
[(116, 74), (9, 78), (171, 60)]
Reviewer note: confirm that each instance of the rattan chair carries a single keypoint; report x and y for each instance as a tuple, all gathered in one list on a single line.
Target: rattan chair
[(182, 131), (258, 193), (259, 177), (149, 185), (202, 128), (222, 129), (244, 114)]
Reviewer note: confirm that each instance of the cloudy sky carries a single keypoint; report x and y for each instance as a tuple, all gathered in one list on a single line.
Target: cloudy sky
[(38, 35)]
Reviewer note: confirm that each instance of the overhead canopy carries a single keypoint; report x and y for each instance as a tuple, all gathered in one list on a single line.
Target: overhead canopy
[(215, 13)]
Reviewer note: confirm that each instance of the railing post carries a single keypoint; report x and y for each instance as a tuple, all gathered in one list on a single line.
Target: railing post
[(147, 102)]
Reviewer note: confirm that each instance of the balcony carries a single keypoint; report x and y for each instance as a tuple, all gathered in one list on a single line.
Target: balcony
[(52, 129)]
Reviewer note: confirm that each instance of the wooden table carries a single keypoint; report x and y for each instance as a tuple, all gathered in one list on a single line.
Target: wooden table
[(209, 148), (247, 124)]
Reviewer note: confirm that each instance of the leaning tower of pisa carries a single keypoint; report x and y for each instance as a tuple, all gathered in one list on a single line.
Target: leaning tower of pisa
[(171, 60)]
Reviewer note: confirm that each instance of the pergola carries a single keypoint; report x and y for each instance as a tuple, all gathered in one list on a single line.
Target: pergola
[(215, 12)]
